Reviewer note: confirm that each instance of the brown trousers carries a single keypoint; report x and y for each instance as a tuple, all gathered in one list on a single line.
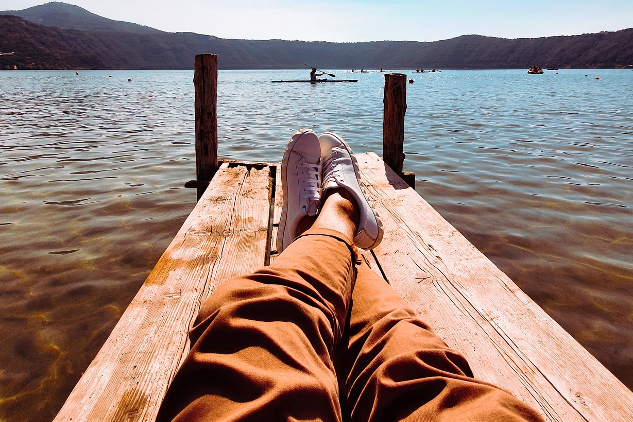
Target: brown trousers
[(318, 336)]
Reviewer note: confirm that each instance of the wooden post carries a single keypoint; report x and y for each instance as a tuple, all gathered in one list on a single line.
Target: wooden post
[(206, 84), (395, 103)]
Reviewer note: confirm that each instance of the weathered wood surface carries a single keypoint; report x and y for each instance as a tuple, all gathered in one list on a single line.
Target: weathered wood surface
[(206, 99), (395, 107), (471, 304), (224, 236), (506, 337), (279, 192)]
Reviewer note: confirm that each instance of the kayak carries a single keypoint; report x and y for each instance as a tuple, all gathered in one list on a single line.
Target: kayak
[(319, 81)]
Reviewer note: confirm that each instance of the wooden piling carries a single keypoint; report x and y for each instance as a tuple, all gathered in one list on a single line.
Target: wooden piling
[(206, 85), (395, 106), (395, 103)]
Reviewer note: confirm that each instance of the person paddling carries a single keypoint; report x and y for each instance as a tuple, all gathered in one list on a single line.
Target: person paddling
[(313, 75)]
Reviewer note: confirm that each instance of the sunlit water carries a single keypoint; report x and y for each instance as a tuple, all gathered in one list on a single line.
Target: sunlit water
[(535, 170)]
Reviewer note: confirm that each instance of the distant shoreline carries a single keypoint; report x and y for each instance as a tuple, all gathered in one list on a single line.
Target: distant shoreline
[(58, 36), (411, 71)]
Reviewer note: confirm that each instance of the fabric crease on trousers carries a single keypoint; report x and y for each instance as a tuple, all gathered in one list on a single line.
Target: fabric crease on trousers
[(318, 336)]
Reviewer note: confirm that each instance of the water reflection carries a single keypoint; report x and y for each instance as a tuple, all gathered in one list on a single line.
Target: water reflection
[(536, 172)]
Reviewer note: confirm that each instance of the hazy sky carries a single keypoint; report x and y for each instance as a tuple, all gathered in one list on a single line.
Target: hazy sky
[(363, 20)]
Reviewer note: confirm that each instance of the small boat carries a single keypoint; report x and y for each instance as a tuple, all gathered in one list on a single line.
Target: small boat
[(552, 68), (318, 81), (535, 70)]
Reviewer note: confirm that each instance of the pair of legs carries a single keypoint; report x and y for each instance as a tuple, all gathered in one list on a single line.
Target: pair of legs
[(318, 335)]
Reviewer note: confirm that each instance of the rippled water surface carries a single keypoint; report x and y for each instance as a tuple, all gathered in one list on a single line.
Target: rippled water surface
[(535, 170)]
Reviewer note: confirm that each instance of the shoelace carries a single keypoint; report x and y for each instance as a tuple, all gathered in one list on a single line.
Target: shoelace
[(312, 190), (329, 165)]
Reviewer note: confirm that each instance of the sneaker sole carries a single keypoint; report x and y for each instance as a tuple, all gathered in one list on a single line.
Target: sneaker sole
[(375, 242)]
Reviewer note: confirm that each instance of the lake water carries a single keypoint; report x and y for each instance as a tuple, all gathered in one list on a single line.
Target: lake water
[(535, 170)]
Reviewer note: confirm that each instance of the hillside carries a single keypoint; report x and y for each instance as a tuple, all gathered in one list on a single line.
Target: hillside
[(67, 16), (61, 36)]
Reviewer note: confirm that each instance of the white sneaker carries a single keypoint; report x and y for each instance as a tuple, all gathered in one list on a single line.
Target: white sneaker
[(301, 182), (340, 170)]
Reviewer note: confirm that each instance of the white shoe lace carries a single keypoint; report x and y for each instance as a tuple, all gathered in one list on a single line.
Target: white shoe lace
[(329, 166), (312, 187)]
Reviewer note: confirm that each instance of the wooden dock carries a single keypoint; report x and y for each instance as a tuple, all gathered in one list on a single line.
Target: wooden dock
[(506, 337)]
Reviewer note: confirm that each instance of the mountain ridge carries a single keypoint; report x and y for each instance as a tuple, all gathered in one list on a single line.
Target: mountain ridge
[(68, 16), (84, 40)]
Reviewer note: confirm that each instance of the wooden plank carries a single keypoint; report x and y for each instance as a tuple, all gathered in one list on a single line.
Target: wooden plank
[(224, 236), (508, 339), (279, 192), (245, 250)]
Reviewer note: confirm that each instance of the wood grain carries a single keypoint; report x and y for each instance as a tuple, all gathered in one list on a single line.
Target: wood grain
[(224, 236), (395, 107), (279, 194), (206, 126), (506, 337)]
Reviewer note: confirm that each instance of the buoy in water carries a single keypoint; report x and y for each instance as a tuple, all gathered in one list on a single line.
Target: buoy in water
[(597, 77), (411, 81)]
